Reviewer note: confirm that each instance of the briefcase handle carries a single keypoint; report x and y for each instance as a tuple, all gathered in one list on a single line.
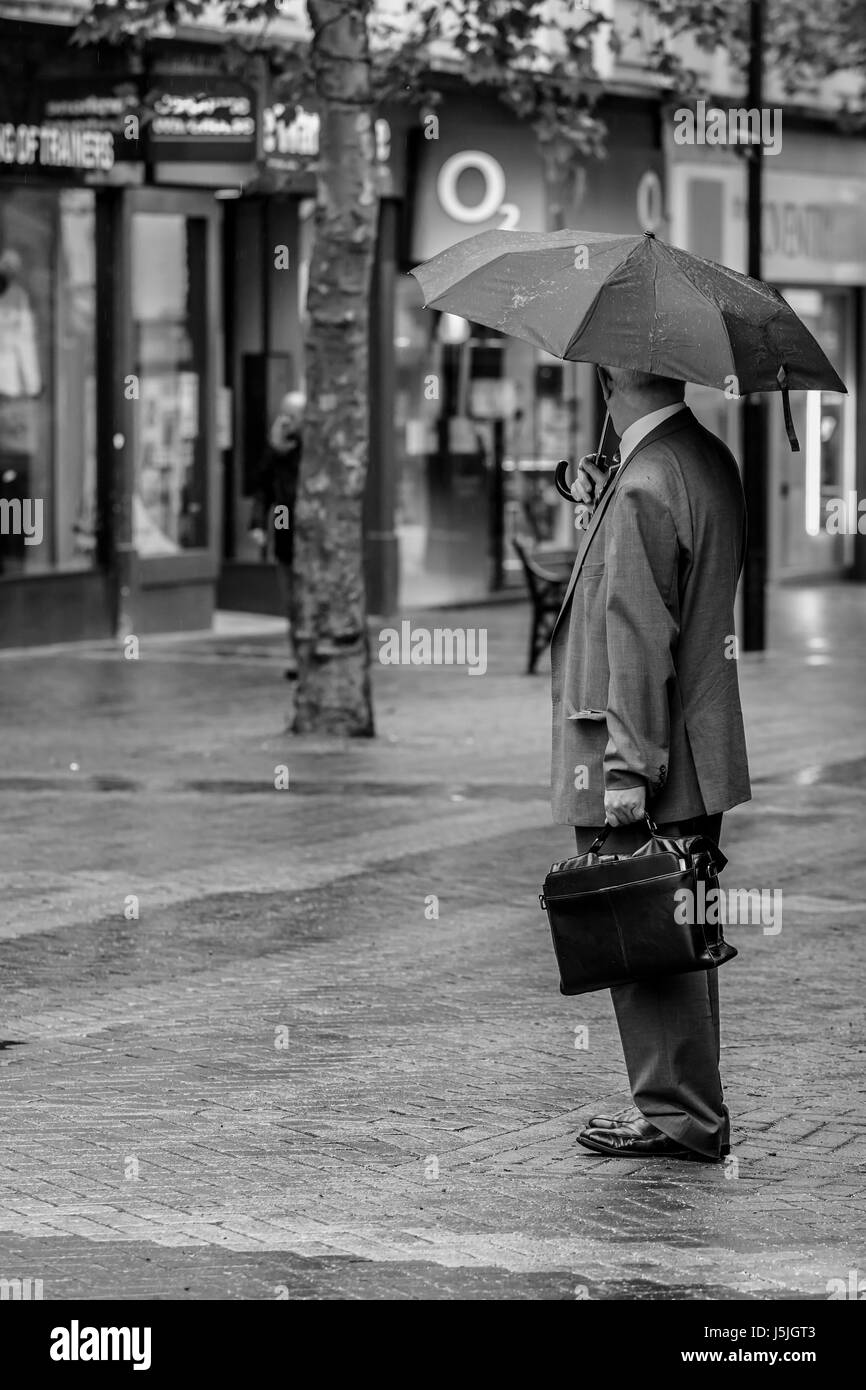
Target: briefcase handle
[(606, 829)]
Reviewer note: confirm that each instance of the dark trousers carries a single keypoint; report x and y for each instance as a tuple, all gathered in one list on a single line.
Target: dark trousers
[(669, 1028)]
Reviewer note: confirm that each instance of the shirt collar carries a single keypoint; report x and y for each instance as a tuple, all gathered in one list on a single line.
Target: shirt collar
[(644, 426)]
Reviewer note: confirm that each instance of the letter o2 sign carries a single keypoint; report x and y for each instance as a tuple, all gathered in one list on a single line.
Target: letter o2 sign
[(649, 201), (492, 201)]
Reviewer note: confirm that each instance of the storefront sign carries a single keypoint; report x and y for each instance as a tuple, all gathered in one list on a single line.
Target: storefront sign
[(56, 147), (649, 201), (289, 132), (290, 143), (465, 186), (108, 105), (492, 201), (208, 118), (811, 223), (72, 125), (91, 124), (812, 227)]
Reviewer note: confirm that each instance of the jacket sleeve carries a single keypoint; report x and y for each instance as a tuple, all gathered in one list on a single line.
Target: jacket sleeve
[(641, 564)]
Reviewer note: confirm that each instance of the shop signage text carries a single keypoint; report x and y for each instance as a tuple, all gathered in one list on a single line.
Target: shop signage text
[(199, 116), (92, 124), (293, 131), (492, 203), (56, 147), (797, 229)]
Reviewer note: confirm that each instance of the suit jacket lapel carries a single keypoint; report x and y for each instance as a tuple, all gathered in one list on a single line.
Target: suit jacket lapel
[(666, 427)]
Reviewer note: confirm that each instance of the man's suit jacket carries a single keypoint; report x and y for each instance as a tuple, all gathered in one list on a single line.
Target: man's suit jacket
[(644, 663)]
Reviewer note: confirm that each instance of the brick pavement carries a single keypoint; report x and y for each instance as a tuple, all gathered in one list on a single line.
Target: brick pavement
[(285, 1080)]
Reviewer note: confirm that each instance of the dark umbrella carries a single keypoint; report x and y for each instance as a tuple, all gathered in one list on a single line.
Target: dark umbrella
[(631, 301)]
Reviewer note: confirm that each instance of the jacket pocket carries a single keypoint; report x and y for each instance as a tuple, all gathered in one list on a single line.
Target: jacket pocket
[(591, 687)]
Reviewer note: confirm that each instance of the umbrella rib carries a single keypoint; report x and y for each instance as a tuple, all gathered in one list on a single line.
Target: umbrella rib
[(708, 300), (655, 313), (591, 308)]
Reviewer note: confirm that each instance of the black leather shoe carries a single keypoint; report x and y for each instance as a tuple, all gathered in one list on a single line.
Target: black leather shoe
[(637, 1139), (628, 1116), (622, 1117)]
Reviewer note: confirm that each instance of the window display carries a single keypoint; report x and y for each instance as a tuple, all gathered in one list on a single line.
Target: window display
[(47, 379)]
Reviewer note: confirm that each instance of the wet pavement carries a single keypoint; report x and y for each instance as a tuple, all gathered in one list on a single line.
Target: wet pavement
[(241, 1056)]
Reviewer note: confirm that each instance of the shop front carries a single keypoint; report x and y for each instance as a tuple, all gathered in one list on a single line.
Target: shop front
[(814, 252), (111, 331), (481, 420), (51, 581), (268, 244)]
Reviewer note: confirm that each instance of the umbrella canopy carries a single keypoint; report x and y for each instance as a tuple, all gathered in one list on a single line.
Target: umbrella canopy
[(630, 301)]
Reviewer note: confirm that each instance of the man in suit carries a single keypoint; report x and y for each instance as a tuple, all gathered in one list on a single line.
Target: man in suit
[(646, 717)]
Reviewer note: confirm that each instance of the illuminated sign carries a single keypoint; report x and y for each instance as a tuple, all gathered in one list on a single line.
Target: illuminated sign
[(196, 118)]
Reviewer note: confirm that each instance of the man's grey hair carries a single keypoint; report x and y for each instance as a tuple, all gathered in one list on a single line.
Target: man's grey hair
[(632, 382)]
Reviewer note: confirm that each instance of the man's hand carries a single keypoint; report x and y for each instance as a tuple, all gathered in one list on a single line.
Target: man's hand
[(257, 536), (586, 489), (625, 805)]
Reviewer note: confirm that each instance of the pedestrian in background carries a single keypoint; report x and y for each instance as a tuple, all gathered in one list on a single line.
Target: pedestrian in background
[(274, 497)]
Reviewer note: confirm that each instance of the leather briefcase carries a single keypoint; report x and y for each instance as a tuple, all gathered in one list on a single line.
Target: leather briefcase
[(617, 918)]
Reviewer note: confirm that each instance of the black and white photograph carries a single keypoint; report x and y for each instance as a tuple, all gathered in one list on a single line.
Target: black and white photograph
[(433, 655)]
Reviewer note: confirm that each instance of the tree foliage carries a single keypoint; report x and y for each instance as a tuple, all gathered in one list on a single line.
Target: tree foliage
[(807, 42)]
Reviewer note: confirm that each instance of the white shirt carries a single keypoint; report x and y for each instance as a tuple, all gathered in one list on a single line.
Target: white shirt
[(642, 427)]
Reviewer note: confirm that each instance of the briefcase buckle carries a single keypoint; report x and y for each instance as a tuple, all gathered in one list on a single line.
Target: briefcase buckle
[(543, 902)]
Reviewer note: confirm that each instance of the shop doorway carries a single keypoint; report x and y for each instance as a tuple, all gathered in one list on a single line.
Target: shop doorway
[(175, 327), (171, 432)]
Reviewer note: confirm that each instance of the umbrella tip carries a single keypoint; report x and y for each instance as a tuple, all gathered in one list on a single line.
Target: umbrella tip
[(652, 234)]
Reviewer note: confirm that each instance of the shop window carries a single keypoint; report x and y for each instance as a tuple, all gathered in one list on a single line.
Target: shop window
[(168, 437), (47, 379), (481, 421)]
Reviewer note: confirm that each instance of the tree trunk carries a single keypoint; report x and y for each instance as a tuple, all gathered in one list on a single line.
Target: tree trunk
[(328, 600)]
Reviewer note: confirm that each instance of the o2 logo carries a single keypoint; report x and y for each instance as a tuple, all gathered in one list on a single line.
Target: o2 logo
[(649, 201), (492, 202)]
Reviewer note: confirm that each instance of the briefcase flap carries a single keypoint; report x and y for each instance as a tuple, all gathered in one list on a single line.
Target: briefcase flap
[(573, 877)]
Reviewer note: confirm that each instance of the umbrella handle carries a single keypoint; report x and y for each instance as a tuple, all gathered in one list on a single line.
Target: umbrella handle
[(564, 464)]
